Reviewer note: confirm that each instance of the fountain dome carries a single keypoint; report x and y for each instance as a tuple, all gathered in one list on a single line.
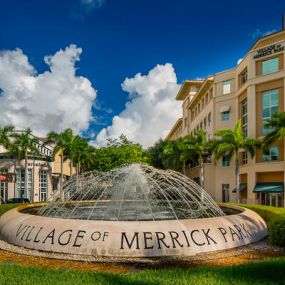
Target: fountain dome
[(132, 193)]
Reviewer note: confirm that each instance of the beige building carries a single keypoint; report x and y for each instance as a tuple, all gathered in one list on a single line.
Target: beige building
[(43, 175), (252, 91)]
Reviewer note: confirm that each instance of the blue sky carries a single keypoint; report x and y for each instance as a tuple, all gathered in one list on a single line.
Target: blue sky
[(121, 38)]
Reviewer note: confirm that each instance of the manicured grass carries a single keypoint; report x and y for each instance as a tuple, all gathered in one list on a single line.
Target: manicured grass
[(6, 207), (262, 272)]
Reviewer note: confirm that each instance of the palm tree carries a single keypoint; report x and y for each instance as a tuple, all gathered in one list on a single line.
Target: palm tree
[(5, 136), (229, 143), (62, 146), (171, 156), (23, 145), (276, 126), (195, 147), (5, 141), (85, 157)]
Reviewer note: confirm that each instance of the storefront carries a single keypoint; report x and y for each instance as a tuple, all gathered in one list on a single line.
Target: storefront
[(270, 194)]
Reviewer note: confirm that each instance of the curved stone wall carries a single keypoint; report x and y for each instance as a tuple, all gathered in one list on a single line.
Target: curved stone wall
[(130, 238)]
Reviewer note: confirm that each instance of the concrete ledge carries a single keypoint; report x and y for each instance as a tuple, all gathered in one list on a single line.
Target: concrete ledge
[(131, 238)]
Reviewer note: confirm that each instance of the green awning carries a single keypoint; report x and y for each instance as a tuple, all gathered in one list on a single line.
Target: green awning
[(242, 187), (272, 187)]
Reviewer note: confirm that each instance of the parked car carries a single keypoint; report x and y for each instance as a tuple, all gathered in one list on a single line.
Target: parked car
[(18, 200)]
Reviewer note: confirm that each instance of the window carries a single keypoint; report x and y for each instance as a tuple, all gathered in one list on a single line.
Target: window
[(209, 119), (20, 184), (225, 115), (225, 192), (244, 157), (270, 65), (244, 117), (201, 125), (244, 76), (4, 186), (185, 122), (225, 161), (43, 185), (227, 87), (269, 106), (270, 154), (205, 123)]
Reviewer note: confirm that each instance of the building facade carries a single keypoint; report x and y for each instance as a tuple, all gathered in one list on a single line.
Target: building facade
[(252, 91), (43, 175)]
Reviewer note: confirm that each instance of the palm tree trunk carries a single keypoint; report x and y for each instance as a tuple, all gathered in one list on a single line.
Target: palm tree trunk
[(184, 167), (77, 173), (33, 189), (201, 163), (71, 168), (61, 175), (237, 181), (26, 175)]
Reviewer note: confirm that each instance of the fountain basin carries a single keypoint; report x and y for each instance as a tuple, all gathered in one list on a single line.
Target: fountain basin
[(183, 237)]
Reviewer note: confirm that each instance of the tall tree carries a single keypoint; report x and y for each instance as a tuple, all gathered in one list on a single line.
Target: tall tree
[(171, 157), (5, 136), (23, 145), (5, 141), (118, 152), (195, 147), (229, 143), (62, 146), (156, 153)]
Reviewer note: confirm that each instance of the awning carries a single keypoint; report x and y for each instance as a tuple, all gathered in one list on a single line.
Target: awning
[(225, 109), (242, 187), (270, 187)]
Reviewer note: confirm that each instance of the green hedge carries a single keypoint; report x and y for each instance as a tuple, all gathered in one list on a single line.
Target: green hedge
[(275, 219)]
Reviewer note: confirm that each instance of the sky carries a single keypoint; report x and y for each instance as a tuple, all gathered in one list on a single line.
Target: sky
[(106, 67)]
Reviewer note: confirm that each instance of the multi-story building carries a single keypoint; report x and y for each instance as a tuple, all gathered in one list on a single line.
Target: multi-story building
[(252, 91), (43, 174)]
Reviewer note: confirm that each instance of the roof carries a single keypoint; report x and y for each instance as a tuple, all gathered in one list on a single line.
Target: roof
[(268, 39), (186, 86), (206, 84), (177, 124)]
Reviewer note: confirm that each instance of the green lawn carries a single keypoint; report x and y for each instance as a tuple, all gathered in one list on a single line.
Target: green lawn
[(262, 272), (6, 207)]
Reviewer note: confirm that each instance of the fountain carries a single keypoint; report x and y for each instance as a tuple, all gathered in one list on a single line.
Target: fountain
[(132, 211)]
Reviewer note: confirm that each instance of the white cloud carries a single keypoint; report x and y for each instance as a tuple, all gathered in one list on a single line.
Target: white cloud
[(151, 111), (258, 33), (91, 4), (269, 32), (239, 60), (83, 8), (53, 100)]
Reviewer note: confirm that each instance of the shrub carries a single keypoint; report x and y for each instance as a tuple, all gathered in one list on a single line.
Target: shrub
[(276, 229)]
